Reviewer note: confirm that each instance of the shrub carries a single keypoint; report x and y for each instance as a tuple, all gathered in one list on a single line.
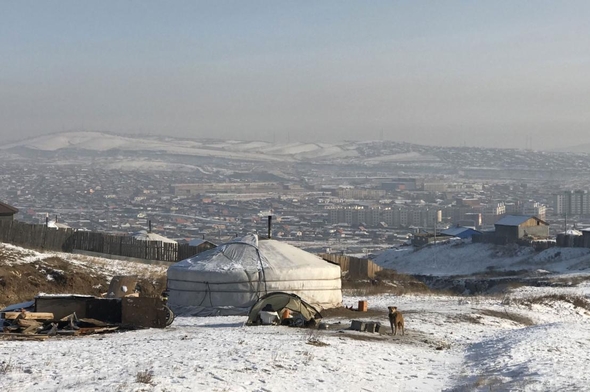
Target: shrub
[(144, 377)]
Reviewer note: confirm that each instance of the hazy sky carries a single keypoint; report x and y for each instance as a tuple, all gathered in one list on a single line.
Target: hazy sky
[(484, 73)]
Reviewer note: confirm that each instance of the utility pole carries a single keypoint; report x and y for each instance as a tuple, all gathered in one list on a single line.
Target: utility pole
[(435, 233), (435, 251)]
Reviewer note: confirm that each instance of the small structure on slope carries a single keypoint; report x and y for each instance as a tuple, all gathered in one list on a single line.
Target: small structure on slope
[(511, 228), (461, 232)]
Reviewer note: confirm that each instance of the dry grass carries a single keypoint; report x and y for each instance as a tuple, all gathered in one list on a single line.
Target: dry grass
[(144, 377), (317, 342), (569, 281), (477, 318), (489, 383), (549, 299), (385, 282), (6, 366), (314, 339), (517, 318), (465, 318)]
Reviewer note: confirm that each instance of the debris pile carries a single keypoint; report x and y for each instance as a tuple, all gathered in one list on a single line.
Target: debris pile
[(25, 325), (73, 315)]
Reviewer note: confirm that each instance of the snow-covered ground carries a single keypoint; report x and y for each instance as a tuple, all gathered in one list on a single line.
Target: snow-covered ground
[(12, 255), (465, 258), (532, 339), (451, 343)]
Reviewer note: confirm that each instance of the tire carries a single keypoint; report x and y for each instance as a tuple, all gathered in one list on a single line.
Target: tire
[(169, 316)]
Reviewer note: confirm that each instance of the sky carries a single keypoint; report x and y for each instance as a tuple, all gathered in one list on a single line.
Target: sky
[(450, 73)]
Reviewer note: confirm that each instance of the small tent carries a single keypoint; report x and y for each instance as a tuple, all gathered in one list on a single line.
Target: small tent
[(281, 301), (232, 277)]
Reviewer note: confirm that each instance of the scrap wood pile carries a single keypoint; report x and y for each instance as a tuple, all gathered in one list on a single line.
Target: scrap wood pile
[(24, 325), (73, 315)]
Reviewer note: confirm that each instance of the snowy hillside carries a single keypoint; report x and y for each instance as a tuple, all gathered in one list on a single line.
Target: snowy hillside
[(233, 149), (467, 258)]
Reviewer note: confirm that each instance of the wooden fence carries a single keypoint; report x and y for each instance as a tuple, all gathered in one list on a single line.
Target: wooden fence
[(66, 240), (357, 268), (33, 236)]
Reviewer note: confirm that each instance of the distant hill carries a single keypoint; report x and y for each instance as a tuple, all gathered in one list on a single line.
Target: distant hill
[(233, 149), (475, 162), (580, 149)]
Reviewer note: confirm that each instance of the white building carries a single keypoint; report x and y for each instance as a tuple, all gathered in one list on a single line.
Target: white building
[(535, 209)]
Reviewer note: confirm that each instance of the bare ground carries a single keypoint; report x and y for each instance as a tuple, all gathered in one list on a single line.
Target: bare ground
[(20, 282)]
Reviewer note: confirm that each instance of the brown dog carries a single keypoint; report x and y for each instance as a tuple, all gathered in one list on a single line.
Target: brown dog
[(396, 320)]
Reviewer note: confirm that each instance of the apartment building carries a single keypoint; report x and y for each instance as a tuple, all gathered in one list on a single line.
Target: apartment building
[(532, 208), (572, 203)]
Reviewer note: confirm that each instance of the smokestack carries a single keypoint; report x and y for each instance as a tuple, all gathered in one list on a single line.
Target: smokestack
[(149, 226), (56, 219), (269, 225), (47, 219)]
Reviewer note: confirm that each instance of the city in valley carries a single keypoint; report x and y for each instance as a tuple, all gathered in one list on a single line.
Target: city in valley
[(352, 197)]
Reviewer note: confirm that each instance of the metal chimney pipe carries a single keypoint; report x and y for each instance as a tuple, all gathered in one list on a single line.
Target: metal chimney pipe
[(149, 226), (269, 226)]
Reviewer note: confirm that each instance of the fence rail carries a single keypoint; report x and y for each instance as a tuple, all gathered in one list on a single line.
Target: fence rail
[(66, 240)]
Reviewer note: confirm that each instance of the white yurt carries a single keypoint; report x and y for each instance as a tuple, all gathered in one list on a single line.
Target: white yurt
[(230, 278)]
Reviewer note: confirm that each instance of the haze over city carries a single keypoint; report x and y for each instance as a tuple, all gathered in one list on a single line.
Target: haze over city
[(491, 74)]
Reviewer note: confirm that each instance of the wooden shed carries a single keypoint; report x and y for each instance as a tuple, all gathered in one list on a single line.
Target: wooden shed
[(514, 227)]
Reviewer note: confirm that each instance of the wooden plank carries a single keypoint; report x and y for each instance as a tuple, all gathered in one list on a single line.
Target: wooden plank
[(28, 323), (31, 329), (96, 323), (68, 332), (91, 330), (22, 336), (28, 315)]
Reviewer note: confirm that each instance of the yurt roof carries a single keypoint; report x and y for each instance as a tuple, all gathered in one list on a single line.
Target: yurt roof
[(249, 253)]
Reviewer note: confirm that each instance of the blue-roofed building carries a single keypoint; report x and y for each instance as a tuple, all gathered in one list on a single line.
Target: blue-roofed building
[(461, 232), (511, 228)]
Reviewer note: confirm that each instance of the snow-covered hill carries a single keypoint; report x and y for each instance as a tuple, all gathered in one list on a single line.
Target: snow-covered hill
[(466, 258), (233, 149)]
